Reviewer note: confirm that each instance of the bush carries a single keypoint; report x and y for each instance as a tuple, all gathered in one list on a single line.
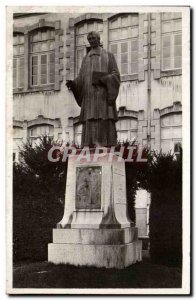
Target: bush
[(163, 179), (38, 200)]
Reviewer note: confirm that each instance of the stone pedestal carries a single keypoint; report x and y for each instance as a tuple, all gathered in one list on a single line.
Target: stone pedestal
[(95, 229)]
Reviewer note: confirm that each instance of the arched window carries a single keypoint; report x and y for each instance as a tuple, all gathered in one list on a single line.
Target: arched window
[(36, 131), (82, 45), (42, 57), (171, 131), (126, 129), (18, 60), (123, 42)]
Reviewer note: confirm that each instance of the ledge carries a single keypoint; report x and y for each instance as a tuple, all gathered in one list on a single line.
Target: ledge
[(49, 87), (128, 77), (171, 73)]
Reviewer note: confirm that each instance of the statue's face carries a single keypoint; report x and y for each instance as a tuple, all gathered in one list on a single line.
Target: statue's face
[(93, 41)]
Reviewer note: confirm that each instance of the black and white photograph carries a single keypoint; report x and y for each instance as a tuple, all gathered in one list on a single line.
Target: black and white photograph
[(98, 150)]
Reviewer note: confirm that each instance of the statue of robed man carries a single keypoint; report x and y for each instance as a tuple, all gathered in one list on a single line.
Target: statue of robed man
[(95, 90)]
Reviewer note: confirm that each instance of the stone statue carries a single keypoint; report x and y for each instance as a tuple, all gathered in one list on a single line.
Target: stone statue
[(95, 90)]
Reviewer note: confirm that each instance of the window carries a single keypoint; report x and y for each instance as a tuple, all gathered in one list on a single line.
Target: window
[(41, 130), (123, 42), (171, 44), (40, 46), (36, 132), (18, 60), (82, 45), (42, 57), (171, 131), (126, 129)]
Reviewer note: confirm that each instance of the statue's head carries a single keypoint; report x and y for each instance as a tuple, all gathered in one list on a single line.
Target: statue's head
[(93, 38)]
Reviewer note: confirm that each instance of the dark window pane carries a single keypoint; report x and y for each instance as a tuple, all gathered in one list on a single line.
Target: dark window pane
[(166, 41), (43, 69), (44, 59), (124, 47), (166, 52), (14, 63), (114, 48), (177, 62), (35, 60), (134, 56), (134, 45), (124, 58), (166, 64), (34, 70), (43, 79), (52, 57), (177, 51), (178, 39), (124, 68), (51, 77), (21, 72), (21, 62), (34, 80), (14, 78), (21, 77), (134, 68), (52, 68)]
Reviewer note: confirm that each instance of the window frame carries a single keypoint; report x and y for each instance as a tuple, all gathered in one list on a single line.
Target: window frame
[(172, 35), (18, 58), (58, 55), (130, 25), (39, 74)]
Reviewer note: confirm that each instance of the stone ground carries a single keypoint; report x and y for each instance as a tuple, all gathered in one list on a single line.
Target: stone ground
[(140, 275)]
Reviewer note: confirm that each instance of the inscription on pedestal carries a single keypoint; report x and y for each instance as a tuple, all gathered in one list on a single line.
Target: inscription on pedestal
[(88, 187)]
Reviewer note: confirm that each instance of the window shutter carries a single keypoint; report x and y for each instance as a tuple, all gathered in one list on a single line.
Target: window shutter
[(177, 51), (124, 58), (134, 56), (44, 68), (34, 70), (166, 47), (52, 68), (21, 72), (14, 72), (79, 57), (114, 50)]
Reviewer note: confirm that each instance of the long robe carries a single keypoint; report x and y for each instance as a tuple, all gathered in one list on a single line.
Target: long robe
[(98, 102)]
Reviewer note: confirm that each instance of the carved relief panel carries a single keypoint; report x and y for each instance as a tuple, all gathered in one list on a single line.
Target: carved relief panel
[(88, 187)]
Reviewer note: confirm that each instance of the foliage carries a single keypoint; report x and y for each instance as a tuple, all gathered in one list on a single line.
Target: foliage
[(163, 179), (38, 191)]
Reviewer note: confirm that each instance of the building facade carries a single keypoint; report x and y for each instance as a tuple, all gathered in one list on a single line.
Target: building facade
[(48, 50)]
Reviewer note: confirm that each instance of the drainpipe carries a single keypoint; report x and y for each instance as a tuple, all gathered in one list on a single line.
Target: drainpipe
[(149, 83)]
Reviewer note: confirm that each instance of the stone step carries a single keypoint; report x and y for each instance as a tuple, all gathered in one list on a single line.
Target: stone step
[(95, 236), (109, 256)]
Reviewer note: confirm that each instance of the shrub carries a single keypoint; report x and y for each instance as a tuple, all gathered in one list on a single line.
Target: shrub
[(163, 179), (38, 200)]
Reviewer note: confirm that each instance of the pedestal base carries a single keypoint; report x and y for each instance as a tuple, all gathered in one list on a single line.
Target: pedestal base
[(88, 247), (95, 229)]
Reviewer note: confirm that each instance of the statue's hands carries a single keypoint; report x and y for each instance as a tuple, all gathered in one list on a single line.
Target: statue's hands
[(69, 84)]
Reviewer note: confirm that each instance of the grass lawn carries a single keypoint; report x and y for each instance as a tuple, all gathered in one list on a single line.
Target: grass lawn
[(140, 275)]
